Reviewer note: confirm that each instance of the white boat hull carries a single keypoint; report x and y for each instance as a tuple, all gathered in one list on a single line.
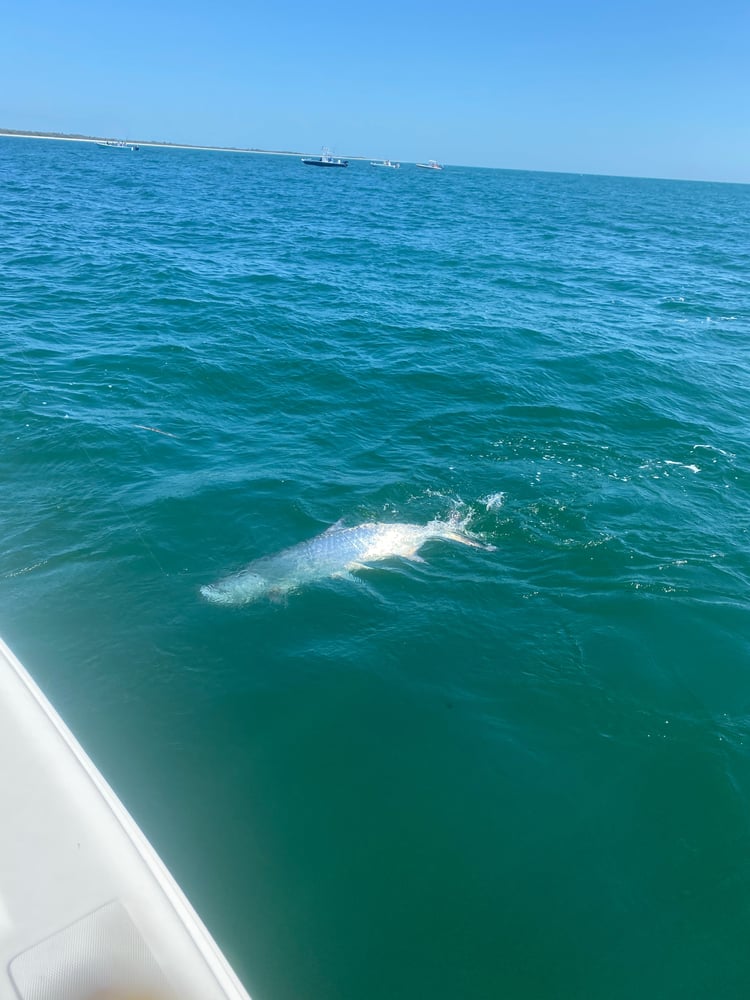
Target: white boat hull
[(87, 908)]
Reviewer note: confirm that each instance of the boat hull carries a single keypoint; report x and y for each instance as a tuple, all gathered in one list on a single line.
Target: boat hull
[(87, 908), (119, 145)]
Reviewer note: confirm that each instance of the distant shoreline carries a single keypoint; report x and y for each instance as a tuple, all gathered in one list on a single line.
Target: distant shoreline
[(13, 133)]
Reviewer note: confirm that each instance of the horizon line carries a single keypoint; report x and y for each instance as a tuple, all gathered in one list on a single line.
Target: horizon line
[(166, 144)]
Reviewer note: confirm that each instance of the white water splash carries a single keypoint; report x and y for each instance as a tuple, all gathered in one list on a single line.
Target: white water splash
[(494, 501)]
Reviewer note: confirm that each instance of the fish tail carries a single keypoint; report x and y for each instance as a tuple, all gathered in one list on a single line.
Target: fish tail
[(464, 539), (458, 523)]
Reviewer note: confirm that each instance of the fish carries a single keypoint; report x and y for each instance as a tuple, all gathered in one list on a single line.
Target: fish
[(337, 553)]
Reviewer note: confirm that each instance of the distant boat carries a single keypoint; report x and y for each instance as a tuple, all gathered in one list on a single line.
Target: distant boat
[(326, 160), (431, 165), (385, 163), (118, 144)]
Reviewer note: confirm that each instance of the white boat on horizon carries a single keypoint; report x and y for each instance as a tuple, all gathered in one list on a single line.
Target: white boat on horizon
[(117, 144), (431, 165), (385, 163)]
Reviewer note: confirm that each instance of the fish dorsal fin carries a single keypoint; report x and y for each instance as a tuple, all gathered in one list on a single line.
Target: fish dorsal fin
[(335, 527)]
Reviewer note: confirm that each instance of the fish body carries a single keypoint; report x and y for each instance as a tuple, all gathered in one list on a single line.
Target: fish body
[(337, 552)]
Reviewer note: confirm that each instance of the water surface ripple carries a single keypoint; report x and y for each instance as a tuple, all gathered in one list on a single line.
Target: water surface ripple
[(522, 773)]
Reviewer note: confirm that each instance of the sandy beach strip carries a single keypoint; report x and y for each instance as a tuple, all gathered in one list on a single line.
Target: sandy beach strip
[(8, 133)]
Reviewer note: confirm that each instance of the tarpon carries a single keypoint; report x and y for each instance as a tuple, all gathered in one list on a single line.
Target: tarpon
[(337, 553)]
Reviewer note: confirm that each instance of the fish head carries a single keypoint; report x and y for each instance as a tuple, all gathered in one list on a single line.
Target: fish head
[(240, 589)]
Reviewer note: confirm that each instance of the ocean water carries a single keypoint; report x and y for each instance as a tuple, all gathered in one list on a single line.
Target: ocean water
[(522, 773)]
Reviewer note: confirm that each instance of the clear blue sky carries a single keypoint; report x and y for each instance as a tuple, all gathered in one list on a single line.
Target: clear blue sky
[(658, 89)]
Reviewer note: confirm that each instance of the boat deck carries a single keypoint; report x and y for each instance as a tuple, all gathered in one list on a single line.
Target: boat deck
[(87, 908)]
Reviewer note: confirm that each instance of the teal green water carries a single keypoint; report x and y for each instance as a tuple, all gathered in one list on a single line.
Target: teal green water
[(522, 773)]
